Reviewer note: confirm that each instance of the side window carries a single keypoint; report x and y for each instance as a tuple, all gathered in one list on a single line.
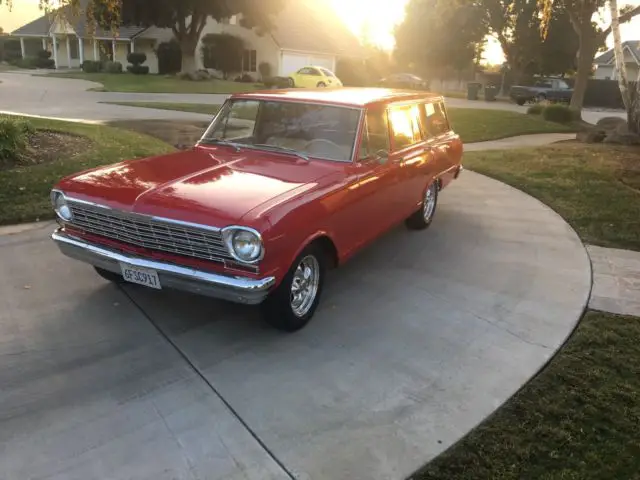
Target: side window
[(435, 119), (405, 124), (375, 136)]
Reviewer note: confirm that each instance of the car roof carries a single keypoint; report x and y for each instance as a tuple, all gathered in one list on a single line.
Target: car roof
[(342, 96)]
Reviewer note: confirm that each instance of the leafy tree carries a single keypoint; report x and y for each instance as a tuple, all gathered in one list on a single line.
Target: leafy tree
[(439, 34), (591, 36)]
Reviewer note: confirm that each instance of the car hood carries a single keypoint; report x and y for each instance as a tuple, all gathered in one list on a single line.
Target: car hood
[(211, 186)]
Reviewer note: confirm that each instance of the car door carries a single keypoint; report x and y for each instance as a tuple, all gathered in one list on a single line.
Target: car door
[(445, 145), (411, 156), (366, 211)]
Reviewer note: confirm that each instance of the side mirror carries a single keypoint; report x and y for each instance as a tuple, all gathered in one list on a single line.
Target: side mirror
[(382, 156)]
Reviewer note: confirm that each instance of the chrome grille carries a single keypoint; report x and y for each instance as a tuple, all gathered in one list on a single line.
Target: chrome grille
[(149, 232)]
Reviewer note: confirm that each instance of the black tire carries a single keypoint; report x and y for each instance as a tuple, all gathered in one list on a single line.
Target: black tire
[(277, 309), (321, 85), (520, 101), (291, 82), (110, 276), (420, 220)]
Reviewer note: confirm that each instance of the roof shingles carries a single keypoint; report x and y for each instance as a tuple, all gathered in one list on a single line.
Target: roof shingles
[(607, 57)]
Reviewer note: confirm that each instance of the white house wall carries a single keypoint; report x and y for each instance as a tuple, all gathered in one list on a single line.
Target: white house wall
[(265, 47)]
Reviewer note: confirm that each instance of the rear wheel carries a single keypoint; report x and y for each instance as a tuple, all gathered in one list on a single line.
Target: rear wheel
[(292, 305), (423, 217), (321, 85), (291, 82), (520, 101), (110, 276)]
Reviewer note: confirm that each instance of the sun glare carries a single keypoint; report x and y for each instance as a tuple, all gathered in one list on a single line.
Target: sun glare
[(373, 19)]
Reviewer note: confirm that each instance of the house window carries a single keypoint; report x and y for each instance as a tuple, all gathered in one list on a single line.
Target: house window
[(249, 61), (73, 48)]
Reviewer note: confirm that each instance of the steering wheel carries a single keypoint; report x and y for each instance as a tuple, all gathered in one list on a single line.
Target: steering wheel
[(324, 141)]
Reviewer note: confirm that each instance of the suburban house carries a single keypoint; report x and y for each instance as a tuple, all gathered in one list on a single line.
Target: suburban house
[(306, 32), (606, 63)]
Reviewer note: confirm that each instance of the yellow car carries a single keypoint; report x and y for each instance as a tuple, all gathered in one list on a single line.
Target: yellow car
[(314, 77)]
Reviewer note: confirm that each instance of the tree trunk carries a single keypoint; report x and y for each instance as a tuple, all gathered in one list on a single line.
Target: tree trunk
[(586, 54), (621, 68), (633, 113), (188, 58)]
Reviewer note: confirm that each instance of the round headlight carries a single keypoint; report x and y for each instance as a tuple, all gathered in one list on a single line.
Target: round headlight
[(244, 245), (61, 207)]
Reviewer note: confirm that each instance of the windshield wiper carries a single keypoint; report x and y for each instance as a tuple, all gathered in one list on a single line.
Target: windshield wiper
[(226, 143), (281, 149)]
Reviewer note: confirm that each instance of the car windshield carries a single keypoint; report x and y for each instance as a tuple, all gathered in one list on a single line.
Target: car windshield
[(304, 129)]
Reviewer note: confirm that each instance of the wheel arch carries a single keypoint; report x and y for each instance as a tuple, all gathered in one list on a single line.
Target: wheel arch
[(324, 240)]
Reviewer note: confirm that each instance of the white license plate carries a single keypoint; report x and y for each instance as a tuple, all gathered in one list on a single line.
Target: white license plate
[(141, 276)]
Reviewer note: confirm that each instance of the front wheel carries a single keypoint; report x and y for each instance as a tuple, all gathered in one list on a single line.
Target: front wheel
[(292, 305), (422, 218), (321, 85)]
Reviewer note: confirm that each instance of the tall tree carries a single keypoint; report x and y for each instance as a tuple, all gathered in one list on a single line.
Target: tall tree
[(439, 34), (591, 36), (630, 99), (516, 25)]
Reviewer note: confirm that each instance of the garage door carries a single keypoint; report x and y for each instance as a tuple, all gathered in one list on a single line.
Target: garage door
[(292, 62)]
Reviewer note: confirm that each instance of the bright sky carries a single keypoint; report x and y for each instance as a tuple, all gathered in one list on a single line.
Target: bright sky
[(379, 16)]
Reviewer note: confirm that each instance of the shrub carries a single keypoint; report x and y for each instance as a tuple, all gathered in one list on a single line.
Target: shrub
[(14, 137), (276, 82), (137, 58), (26, 62), (169, 57), (113, 67), (44, 54), (265, 70), (535, 109), (560, 114), (91, 66), (138, 69), (244, 78)]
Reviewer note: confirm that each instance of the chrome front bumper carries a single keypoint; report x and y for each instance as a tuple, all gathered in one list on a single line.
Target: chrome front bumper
[(225, 287)]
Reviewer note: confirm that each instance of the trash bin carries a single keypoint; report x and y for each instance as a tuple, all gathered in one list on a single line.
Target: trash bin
[(490, 93), (472, 90)]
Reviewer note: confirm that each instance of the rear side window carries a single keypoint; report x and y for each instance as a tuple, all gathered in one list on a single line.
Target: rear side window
[(405, 126), (435, 119), (328, 73)]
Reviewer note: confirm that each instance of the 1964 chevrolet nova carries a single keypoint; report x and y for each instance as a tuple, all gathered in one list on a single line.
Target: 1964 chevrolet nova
[(283, 185)]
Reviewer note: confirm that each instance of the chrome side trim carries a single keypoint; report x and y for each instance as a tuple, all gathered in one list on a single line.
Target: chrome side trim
[(232, 288)]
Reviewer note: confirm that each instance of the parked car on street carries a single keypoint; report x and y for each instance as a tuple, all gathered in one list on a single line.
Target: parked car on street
[(314, 77), (404, 80), (551, 89), (282, 186)]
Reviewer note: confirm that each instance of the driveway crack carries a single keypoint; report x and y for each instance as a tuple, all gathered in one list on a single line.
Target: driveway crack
[(215, 391)]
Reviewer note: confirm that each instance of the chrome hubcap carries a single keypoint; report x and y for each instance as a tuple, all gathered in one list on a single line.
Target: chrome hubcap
[(304, 287), (429, 202)]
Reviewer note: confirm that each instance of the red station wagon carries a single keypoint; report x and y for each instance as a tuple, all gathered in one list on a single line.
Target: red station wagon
[(283, 185)]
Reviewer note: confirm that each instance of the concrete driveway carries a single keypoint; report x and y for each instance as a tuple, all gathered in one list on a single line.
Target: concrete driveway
[(418, 339), (69, 99)]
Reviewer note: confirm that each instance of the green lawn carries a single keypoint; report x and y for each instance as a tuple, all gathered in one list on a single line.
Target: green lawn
[(207, 109), (477, 125), (580, 418), (126, 82), (596, 188), (24, 191), (473, 125)]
